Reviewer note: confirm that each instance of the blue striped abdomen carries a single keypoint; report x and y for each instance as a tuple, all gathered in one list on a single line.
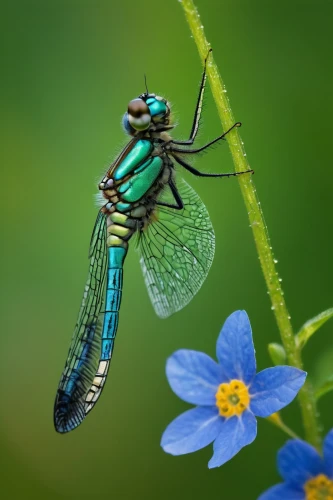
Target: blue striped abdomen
[(110, 324), (113, 299)]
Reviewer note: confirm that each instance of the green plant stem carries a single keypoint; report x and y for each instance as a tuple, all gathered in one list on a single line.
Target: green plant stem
[(260, 234), (288, 431), (276, 420)]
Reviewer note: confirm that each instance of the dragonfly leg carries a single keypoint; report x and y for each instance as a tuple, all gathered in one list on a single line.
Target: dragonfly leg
[(198, 109), (198, 150), (177, 197), (196, 172)]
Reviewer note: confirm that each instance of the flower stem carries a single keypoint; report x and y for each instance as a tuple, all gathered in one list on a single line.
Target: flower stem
[(276, 420), (257, 222)]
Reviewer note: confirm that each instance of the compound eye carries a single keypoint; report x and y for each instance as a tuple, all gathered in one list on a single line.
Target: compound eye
[(139, 114)]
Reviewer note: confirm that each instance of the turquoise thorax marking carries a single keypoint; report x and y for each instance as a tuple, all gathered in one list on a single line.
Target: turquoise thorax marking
[(140, 151), (143, 166), (156, 107), (123, 207), (140, 183)]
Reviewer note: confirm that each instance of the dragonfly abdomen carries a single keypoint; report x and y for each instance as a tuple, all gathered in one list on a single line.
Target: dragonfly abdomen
[(120, 229), (116, 257)]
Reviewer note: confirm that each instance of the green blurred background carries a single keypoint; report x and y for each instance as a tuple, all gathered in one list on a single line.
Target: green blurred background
[(69, 69)]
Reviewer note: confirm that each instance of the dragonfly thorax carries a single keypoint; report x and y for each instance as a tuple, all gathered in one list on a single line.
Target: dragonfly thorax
[(148, 112)]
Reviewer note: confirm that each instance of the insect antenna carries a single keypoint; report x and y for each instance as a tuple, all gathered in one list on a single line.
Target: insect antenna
[(147, 92)]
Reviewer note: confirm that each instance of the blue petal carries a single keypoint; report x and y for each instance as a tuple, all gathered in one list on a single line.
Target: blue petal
[(282, 491), (236, 433), (194, 377), (298, 461), (192, 431), (274, 388), (328, 454), (235, 350)]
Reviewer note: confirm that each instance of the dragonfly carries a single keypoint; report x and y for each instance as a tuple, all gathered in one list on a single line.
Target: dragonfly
[(142, 195)]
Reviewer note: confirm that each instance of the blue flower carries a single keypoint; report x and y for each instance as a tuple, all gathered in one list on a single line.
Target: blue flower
[(307, 475), (228, 394)]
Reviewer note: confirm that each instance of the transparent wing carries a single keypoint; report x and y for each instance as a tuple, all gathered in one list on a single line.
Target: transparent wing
[(177, 251), (85, 349)]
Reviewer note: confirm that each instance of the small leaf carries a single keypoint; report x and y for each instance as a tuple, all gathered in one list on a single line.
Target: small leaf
[(277, 353), (311, 326), (323, 389)]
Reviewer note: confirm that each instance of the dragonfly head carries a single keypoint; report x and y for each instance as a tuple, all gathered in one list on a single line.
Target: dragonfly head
[(145, 112)]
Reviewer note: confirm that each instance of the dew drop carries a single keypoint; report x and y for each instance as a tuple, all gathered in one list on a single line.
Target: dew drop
[(275, 260)]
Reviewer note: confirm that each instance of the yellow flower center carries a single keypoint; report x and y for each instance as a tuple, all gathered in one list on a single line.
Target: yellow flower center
[(232, 399), (319, 488)]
